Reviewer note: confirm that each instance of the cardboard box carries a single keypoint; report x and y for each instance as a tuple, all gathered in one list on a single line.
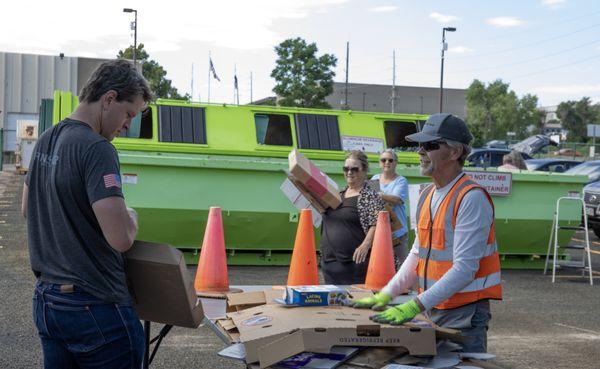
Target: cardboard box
[(317, 183), (161, 286), (322, 295), (271, 333), (245, 300)]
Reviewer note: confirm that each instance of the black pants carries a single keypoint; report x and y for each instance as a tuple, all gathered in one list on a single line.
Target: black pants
[(344, 273)]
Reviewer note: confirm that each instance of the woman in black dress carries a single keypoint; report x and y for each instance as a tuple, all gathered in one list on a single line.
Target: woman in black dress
[(347, 232)]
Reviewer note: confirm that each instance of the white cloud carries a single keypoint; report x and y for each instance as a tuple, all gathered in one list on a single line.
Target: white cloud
[(505, 22), (578, 89), (444, 18), (553, 4), (384, 9), (460, 50), (241, 25)]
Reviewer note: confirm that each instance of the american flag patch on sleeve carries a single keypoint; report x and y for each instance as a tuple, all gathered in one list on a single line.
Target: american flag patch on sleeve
[(112, 180)]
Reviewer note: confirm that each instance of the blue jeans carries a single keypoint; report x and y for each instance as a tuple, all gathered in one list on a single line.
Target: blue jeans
[(79, 330), (472, 320)]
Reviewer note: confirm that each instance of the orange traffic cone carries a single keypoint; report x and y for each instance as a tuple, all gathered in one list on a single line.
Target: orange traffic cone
[(381, 265), (303, 268), (211, 275)]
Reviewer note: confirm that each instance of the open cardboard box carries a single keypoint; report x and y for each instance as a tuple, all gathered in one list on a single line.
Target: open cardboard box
[(313, 180), (161, 286), (271, 333)]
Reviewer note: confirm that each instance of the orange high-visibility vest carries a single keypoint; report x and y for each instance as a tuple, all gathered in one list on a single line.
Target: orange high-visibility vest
[(436, 247)]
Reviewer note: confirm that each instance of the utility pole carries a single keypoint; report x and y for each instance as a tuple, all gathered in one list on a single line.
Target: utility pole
[(394, 82), (444, 48), (364, 101), (251, 87), (346, 106), (134, 28)]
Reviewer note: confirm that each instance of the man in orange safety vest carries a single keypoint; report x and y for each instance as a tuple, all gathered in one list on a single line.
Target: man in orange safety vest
[(454, 256)]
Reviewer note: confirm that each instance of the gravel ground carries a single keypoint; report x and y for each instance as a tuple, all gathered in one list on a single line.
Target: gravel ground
[(538, 325)]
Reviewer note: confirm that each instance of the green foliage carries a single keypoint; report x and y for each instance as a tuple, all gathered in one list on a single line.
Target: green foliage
[(576, 115), (154, 73), (302, 78), (494, 110)]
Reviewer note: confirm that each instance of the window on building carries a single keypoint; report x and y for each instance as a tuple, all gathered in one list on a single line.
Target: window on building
[(273, 129), (141, 126), (318, 131), (396, 132), (181, 124)]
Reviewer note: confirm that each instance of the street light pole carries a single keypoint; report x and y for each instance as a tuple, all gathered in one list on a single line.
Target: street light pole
[(129, 10), (444, 47)]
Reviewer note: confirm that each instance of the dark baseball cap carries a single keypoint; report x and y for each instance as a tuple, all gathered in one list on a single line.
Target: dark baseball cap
[(443, 126)]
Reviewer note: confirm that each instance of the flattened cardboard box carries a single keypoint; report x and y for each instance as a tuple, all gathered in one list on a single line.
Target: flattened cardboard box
[(317, 183), (271, 333)]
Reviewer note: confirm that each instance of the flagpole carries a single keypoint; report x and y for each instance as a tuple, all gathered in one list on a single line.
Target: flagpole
[(250, 87), (209, 61), (237, 87), (192, 84)]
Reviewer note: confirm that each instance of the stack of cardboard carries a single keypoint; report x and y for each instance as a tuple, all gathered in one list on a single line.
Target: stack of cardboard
[(266, 334), (316, 186)]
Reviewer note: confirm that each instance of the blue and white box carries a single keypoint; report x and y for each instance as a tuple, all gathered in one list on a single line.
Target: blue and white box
[(315, 295)]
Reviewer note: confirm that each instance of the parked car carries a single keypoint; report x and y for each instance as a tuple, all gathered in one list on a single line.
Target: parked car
[(533, 144), (496, 144), (551, 165), (591, 196), (588, 168), (490, 157), (484, 158)]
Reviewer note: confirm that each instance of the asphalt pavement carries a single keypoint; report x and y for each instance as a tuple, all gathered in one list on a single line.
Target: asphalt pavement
[(537, 325)]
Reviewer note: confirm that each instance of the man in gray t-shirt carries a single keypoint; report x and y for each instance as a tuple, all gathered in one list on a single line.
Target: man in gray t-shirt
[(78, 226)]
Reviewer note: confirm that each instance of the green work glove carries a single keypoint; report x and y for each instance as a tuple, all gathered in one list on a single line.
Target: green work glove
[(398, 314), (376, 302)]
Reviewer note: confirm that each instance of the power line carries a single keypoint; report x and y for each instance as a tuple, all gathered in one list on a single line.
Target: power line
[(525, 61), (557, 67), (536, 43)]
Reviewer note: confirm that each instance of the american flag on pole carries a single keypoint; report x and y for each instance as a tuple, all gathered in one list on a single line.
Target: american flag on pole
[(214, 72), (112, 180)]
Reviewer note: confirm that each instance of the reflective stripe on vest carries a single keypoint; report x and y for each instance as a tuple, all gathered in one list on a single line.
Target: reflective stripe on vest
[(436, 259), (477, 284)]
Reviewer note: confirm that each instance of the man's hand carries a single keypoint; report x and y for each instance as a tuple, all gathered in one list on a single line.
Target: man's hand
[(398, 314), (361, 252), (377, 302)]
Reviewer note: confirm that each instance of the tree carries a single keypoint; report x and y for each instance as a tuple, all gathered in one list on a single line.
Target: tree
[(302, 78), (494, 110), (576, 115), (153, 72)]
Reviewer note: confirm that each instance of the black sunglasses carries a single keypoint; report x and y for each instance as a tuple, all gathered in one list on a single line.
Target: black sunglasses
[(432, 145), (385, 160), (351, 169)]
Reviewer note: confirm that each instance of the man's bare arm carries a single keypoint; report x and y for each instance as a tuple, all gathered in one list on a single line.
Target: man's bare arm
[(118, 223)]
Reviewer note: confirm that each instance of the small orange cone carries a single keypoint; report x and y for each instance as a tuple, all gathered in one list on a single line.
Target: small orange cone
[(211, 275), (303, 267), (381, 265)]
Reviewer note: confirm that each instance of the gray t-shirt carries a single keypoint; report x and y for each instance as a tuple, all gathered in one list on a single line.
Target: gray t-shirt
[(72, 167)]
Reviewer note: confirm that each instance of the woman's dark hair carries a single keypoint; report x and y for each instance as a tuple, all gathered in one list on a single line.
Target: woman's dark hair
[(118, 75), (360, 156)]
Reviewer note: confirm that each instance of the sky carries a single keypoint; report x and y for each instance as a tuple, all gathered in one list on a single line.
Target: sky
[(550, 48)]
